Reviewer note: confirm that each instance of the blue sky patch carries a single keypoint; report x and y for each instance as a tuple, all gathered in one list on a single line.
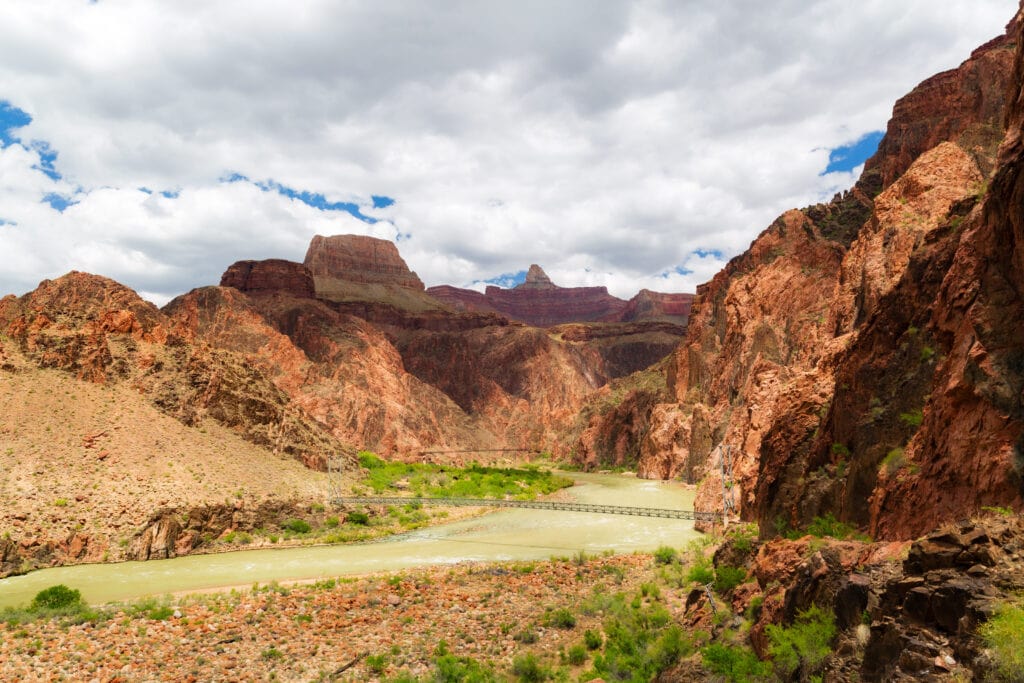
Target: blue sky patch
[(11, 118), (507, 280), (678, 270), (4, 221), (381, 202), (47, 158), (314, 199), (59, 201), (704, 253), (850, 156)]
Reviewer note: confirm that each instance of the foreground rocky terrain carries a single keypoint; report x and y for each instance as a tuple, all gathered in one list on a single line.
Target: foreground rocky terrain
[(891, 612)]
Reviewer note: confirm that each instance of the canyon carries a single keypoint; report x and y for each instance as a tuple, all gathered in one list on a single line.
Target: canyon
[(860, 365)]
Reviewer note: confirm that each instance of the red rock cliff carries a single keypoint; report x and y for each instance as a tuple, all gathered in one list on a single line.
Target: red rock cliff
[(825, 356), (357, 258), (540, 302), (271, 275)]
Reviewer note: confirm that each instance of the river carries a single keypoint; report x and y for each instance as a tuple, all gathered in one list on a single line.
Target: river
[(499, 536)]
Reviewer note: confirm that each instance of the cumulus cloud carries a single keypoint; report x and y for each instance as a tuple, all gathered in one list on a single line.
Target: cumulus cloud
[(632, 144)]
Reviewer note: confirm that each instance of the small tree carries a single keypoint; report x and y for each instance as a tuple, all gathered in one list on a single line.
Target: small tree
[(56, 597), (804, 645)]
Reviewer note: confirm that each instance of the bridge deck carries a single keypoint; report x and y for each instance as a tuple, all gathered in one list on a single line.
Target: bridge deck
[(533, 504)]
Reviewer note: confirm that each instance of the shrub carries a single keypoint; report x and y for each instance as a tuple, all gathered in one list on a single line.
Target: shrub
[(727, 578), (913, 419), (577, 654), (734, 663), (377, 663), (561, 618), (360, 518), (298, 526), (828, 525), (528, 669), (526, 637), (592, 639), (701, 572), (1003, 635), (804, 645), (160, 613), (665, 555), (893, 461), (369, 460), (56, 597)]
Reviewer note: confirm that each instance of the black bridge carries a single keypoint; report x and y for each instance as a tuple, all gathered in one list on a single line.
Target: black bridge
[(533, 504)]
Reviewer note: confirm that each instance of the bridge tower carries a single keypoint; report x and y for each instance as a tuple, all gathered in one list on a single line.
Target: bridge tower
[(728, 484)]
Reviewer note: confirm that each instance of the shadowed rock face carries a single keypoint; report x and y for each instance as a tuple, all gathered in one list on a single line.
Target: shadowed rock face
[(271, 275), (357, 258)]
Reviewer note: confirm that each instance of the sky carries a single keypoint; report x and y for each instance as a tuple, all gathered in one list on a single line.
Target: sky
[(627, 144)]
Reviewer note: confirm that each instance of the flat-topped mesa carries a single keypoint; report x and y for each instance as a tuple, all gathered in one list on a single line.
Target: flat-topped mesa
[(358, 258), (271, 275)]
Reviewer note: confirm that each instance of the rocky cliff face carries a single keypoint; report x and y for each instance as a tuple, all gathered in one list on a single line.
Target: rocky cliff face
[(648, 305), (357, 258), (541, 303), (845, 389), (537, 301), (270, 276), (102, 332)]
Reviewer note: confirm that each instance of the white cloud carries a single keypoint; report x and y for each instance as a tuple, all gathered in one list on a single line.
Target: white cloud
[(607, 141)]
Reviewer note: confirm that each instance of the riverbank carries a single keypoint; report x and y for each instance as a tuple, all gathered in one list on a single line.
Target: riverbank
[(500, 536), (381, 625)]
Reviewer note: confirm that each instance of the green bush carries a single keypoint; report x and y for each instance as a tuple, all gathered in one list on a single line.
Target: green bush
[(913, 419), (1003, 635), (451, 669), (727, 578), (592, 639), (641, 641), (803, 646), (160, 613), (369, 460), (527, 637), (828, 525), (298, 526), (528, 669), (360, 518), (577, 654), (56, 597), (701, 572), (736, 664), (561, 618), (377, 663), (665, 555)]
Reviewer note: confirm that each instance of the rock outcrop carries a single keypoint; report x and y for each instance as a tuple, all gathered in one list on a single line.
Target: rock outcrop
[(358, 258), (854, 352), (271, 275), (102, 332), (896, 620)]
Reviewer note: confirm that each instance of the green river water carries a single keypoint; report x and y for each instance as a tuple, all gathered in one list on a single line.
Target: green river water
[(499, 536)]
